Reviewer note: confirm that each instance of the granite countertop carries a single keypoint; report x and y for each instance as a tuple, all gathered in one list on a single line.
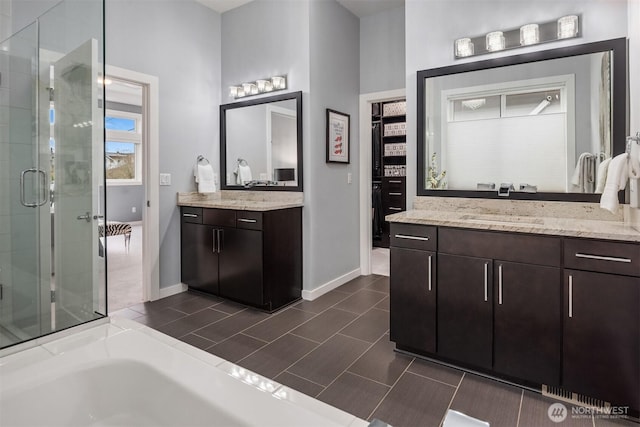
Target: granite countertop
[(267, 201), (570, 227)]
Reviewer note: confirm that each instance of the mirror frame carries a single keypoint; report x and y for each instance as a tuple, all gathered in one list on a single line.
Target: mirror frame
[(297, 96), (619, 114)]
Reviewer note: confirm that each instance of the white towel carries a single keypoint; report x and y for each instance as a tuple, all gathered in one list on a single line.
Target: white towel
[(584, 175), (243, 174), (601, 176), (634, 161), (617, 177), (204, 178)]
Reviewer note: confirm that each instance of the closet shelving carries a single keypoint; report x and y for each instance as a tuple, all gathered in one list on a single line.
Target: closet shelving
[(389, 165)]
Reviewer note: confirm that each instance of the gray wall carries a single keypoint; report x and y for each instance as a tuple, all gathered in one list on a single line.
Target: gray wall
[(431, 28), (331, 204), (382, 57), (178, 41), (120, 201)]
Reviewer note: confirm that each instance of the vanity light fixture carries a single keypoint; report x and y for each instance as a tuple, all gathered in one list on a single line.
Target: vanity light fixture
[(257, 87), (529, 34), (525, 35), (495, 41)]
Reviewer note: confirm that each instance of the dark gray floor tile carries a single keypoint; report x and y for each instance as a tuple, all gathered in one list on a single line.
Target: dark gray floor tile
[(231, 325), (380, 285), (535, 412), (192, 305), (361, 301), (329, 360), (603, 420), (354, 394), (323, 302), (229, 307), (415, 401), (358, 283), (197, 341), (368, 327), (192, 322), (487, 400), (384, 304), (155, 318), (380, 363), (274, 358), (324, 325), (300, 384), (163, 303), (435, 371), (279, 324), (237, 347)]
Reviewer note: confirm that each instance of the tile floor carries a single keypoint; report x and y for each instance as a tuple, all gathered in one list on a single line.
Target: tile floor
[(337, 349)]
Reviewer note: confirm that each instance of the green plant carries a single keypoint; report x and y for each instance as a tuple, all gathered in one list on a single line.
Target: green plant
[(435, 179)]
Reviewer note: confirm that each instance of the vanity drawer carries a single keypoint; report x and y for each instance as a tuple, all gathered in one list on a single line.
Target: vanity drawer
[(393, 184), (192, 215), (220, 217), (414, 236), (249, 220), (528, 249), (602, 256)]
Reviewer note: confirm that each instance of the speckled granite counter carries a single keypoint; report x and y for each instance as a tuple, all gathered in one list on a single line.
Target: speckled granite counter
[(550, 218), (243, 200)]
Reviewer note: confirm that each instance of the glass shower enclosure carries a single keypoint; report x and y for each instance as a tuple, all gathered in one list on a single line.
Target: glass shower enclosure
[(52, 258)]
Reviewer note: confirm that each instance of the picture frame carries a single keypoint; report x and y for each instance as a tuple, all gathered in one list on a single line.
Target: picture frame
[(338, 137)]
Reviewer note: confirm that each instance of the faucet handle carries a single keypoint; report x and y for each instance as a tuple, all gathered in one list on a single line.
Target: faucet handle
[(505, 188)]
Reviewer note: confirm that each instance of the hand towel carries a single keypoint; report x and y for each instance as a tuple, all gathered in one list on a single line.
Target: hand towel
[(584, 175), (634, 161), (204, 178), (617, 177), (243, 174), (601, 176)]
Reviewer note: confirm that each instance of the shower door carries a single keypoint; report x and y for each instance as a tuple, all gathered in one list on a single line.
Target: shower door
[(52, 264), (79, 168)]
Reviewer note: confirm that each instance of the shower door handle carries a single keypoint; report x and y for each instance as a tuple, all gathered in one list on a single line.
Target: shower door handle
[(23, 197), (87, 217)]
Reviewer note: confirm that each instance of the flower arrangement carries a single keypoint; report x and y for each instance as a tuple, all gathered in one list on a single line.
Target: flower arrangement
[(435, 179)]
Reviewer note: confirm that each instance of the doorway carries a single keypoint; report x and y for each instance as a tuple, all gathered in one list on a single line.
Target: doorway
[(372, 260), (131, 164)]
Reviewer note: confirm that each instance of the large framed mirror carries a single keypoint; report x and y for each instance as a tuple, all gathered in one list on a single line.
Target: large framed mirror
[(261, 144), (540, 125)]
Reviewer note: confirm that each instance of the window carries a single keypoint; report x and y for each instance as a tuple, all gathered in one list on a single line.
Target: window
[(123, 148)]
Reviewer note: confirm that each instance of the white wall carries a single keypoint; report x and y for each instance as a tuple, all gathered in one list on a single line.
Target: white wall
[(178, 41), (331, 227), (382, 49), (432, 26)]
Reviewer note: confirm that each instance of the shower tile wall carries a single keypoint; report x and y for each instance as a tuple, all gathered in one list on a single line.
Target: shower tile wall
[(5, 19)]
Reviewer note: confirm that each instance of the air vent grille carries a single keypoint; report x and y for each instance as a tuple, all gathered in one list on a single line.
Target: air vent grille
[(574, 398)]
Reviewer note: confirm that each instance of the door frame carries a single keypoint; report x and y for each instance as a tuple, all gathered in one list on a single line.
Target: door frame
[(366, 237), (151, 206)]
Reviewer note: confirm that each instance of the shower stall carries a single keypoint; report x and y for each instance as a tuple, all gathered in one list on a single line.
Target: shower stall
[(52, 258)]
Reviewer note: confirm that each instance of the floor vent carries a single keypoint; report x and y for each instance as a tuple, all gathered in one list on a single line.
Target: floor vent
[(574, 398)]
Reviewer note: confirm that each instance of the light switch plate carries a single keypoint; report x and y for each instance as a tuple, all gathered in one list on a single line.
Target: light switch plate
[(165, 179)]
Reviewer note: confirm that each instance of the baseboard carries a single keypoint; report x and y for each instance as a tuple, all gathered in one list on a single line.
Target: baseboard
[(329, 286), (172, 290)]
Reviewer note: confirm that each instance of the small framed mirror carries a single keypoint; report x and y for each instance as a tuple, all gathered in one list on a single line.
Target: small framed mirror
[(261, 144), (533, 126)]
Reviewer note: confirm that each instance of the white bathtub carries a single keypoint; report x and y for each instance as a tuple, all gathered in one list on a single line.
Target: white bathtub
[(124, 374)]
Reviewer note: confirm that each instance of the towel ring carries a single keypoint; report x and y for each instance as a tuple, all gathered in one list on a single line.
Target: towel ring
[(201, 158)]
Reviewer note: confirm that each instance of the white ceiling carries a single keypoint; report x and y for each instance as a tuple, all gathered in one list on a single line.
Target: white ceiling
[(359, 8)]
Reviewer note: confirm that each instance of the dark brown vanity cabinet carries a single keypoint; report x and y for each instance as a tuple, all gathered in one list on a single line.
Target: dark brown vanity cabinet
[(251, 257), (499, 302), (601, 326), (413, 287)]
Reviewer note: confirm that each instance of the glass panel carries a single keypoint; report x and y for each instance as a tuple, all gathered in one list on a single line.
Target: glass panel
[(120, 123), (486, 107), (23, 315), (121, 160), (533, 103)]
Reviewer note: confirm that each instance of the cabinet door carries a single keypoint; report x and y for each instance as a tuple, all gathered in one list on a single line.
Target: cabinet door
[(413, 299), (601, 339), (527, 322), (198, 259), (241, 265), (465, 309)]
